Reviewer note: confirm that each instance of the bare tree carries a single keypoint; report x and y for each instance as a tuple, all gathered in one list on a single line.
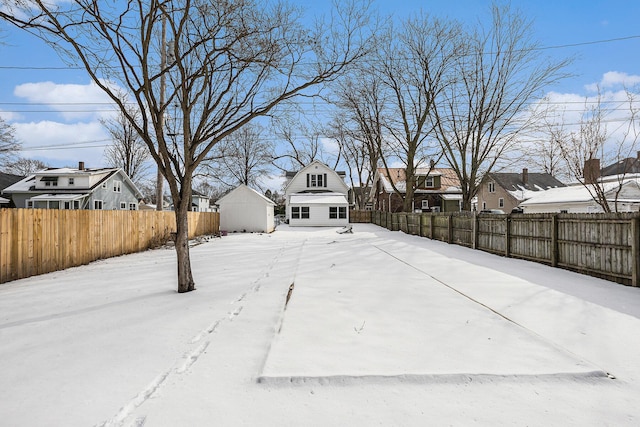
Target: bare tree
[(9, 145), (24, 166), (128, 151), (358, 129), (228, 62), (412, 66), (593, 142), (497, 73), (245, 157), (302, 138)]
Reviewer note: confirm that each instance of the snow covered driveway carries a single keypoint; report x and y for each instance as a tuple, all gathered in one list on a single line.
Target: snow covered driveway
[(381, 329)]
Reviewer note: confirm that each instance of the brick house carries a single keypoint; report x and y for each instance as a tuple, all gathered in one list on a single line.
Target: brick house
[(437, 190)]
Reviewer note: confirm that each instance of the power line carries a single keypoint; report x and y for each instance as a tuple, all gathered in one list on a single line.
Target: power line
[(560, 46)]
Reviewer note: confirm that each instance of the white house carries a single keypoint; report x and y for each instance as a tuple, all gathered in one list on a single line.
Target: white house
[(576, 198), (245, 210), (82, 188), (316, 196)]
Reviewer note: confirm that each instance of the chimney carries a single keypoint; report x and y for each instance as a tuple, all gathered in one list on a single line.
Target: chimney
[(638, 155), (432, 164), (591, 171), (525, 176), (81, 166)]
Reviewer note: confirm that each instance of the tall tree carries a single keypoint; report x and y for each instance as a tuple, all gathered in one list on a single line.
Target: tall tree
[(358, 128), (228, 62), (498, 72), (412, 65), (244, 157), (127, 151), (24, 166)]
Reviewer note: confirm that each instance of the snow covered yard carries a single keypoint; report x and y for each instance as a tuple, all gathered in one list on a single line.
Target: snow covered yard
[(381, 328)]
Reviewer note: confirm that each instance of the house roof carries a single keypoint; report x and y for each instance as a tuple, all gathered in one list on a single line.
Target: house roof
[(624, 166), (243, 187), (318, 198), (515, 185), (26, 184), (7, 179), (291, 175), (448, 179), (577, 193), (4, 201)]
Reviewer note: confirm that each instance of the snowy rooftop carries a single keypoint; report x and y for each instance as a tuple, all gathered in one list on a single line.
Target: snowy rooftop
[(382, 328)]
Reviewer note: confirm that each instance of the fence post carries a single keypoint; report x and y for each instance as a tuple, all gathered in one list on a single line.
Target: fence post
[(554, 241), (635, 251), (507, 237), (449, 228), (476, 226)]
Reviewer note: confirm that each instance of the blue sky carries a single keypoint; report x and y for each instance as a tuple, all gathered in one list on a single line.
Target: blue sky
[(28, 73)]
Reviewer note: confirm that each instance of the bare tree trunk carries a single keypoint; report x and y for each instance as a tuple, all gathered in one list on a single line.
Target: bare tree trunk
[(185, 276)]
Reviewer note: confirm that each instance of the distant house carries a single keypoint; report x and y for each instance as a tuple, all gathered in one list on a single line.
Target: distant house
[(245, 210), (199, 202), (82, 188), (316, 195), (6, 180), (630, 165), (622, 196), (506, 191), (437, 190)]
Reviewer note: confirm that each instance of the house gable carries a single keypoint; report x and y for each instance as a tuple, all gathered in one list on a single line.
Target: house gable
[(316, 177)]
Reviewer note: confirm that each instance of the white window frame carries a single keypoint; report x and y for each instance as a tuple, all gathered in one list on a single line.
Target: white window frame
[(97, 203), (123, 205), (425, 204), (117, 186), (133, 206), (342, 212), (501, 202), (333, 212), (295, 212), (491, 187), (429, 182), (71, 181)]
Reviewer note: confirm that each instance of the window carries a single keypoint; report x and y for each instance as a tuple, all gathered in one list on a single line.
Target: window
[(342, 212), (97, 204), (484, 205), (492, 187), (333, 212), (51, 183), (123, 205), (71, 181), (67, 205), (501, 202), (300, 212), (425, 204), (76, 204), (29, 204), (429, 182), (133, 207), (316, 180), (117, 186)]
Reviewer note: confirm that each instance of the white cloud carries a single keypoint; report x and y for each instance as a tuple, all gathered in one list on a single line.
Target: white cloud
[(63, 144), (72, 101), (612, 79)]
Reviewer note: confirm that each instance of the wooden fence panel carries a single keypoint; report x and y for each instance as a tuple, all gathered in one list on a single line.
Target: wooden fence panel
[(462, 229), (37, 241), (531, 237)]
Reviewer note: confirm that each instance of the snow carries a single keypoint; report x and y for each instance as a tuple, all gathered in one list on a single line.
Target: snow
[(381, 328)]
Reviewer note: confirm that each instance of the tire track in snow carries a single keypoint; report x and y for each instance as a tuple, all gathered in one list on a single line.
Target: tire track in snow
[(190, 357)]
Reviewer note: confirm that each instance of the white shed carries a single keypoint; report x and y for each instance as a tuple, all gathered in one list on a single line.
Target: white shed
[(245, 210)]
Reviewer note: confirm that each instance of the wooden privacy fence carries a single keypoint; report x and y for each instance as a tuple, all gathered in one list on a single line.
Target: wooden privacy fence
[(600, 245), (37, 241)]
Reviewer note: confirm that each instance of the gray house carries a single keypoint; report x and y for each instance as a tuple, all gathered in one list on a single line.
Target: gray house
[(7, 179), (82, 188)]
